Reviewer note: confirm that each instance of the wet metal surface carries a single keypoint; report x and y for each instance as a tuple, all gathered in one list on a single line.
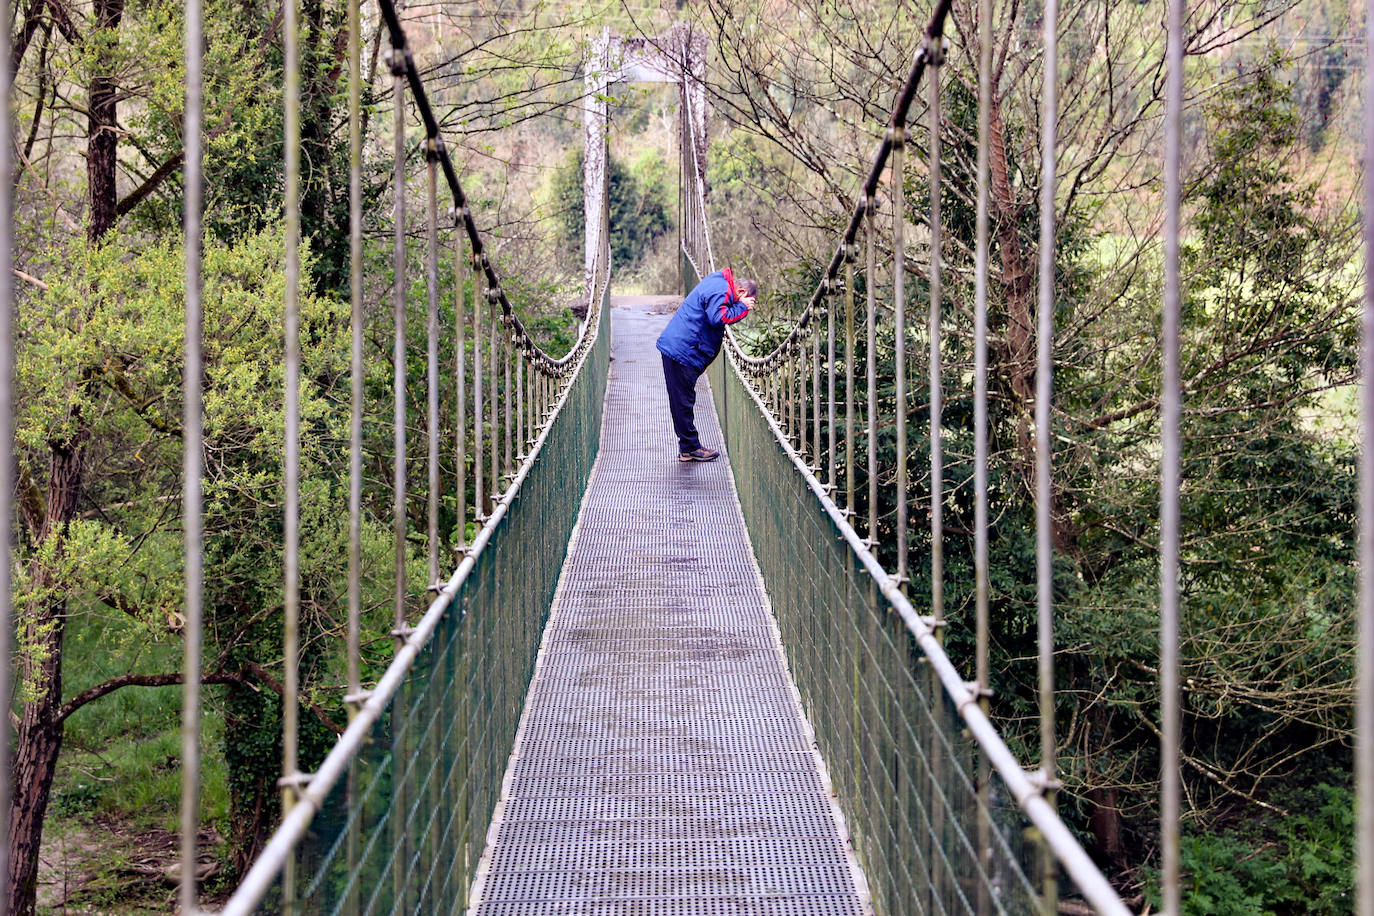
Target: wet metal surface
[(663, 766)]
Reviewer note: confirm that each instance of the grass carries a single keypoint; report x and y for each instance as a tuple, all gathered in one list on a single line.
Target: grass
[(121, 754), (119, 776)]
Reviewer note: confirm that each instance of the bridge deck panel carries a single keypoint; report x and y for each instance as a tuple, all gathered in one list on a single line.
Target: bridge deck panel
[(663, 764)]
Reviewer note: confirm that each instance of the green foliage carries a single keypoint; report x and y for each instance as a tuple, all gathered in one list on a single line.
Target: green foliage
[(638, 202), (76, 798), (1318, 836), (1226, 877), (121, 754), (1303, 862), (101, 360)]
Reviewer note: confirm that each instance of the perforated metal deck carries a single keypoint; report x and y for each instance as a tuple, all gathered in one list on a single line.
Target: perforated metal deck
[(663, 765)]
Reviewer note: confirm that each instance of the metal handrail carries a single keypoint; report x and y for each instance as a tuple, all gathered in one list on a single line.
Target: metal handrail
[(311, 798), (1033, 790), (1024, 785)]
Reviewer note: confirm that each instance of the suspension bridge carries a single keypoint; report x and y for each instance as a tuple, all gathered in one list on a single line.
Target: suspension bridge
[(658, 687), (626, 699)]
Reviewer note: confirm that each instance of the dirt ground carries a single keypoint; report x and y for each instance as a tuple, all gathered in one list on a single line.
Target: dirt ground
[(104, 866)]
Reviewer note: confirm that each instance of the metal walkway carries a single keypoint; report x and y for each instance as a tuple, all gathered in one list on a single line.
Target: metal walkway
[(663, 764)]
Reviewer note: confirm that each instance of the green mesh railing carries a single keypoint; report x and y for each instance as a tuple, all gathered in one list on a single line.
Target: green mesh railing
[(403, 833), (902, 767), (941, 812)]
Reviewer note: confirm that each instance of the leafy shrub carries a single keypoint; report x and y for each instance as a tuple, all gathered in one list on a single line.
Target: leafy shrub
[(1321, 851), (1300, 865), (638, 202)]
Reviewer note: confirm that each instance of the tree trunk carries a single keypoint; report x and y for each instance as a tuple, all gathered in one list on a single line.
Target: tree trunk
[(1105, 816), (38, 740), (252, 752), (1018, 338), (102, 137), (1106, 827), (37, 745), (1018, 346)]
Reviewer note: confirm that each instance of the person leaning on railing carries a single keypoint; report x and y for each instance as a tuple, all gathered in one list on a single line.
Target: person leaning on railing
[(689, 344)]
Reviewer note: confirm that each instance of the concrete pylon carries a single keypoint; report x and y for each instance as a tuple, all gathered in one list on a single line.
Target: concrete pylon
[(677, 56)]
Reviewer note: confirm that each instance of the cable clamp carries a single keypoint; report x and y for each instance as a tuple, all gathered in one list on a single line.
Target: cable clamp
[(436, 587), (356, 700), (296, 782), (971, 699), (977, 691), (936, 50), (397, 58), (1042, 783), (896, 135), (462, 549), (493, 293), (432, 147), (403, 631)]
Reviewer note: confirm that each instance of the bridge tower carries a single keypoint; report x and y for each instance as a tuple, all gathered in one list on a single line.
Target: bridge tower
[(677, 56)]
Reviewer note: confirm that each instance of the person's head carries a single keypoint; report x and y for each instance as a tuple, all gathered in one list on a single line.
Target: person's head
[(747, 289)]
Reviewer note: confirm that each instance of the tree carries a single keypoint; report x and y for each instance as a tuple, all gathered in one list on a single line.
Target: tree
[(115, 318), (100, 382), (637, 197)]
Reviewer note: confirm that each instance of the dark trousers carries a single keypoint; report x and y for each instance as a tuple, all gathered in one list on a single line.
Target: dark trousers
[(682, 399)]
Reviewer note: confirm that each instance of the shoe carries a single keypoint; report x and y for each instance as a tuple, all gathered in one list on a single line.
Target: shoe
[(699, 454)]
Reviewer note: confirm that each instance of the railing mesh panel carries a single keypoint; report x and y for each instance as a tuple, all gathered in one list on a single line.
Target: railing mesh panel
[(405, 833), (904, 772)]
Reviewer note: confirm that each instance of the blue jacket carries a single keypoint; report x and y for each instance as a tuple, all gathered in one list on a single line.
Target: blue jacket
[(694, 335)]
